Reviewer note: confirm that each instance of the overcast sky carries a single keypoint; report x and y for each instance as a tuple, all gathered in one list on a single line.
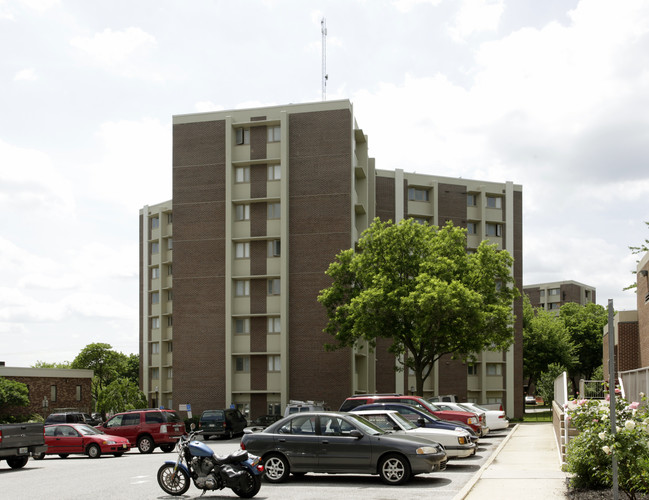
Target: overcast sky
[(550, 94)]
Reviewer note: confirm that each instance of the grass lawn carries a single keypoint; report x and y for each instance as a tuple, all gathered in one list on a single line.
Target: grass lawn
[(540, 414)]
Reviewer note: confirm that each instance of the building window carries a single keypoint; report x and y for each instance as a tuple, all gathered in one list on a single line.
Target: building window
[(242, 364), (155, 273), (274, 408), (170, 295), (542, 293), (471, 200), (472, 228), (274, 364), (52, 393), (170, 218), (274, 248), (554, 306), (155, 373), (169, 270), (471, 369), (273, 286), (242, 250), (170, 347), (155, 298), (155, 323), (170, 244), (274, 172), (274, 133), (274, 210), (494, 229), (155, 248), (494, 202), (242, 174), (554, 291), (170, 321), (243, 136), (274, 325), (495, 369), (418, 194), (242, 212), (242, 325), (242, 288), (420, 220), (155, 348), (170, 372), (155, 222), (78, 393)]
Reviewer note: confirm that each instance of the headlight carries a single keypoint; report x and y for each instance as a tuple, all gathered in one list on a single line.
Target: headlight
[(427, 450), (110, 441), (472, 420), (461, 440)]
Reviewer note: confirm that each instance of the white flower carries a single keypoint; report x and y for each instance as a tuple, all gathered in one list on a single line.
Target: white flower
[(606, 450), (618, 428), (602, 435), (641, 395), (630, 425)]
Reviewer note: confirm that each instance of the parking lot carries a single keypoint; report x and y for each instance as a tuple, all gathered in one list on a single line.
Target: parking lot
[(133, 476)]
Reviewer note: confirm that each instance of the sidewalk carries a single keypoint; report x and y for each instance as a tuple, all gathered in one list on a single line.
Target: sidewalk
[(525, 465)]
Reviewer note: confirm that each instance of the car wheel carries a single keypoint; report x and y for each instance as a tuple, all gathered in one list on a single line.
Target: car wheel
[(64, 455), (167, 448), (93, 451), (39, 456), (17, 462), (394, 469), (277, 468), (145, 444)]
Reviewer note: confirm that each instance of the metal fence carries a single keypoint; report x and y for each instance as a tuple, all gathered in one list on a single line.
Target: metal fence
[(592, 389), (634, 383)]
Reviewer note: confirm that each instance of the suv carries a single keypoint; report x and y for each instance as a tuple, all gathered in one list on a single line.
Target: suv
[(471, 419), (146, 429), (225, 423), (67, 417)]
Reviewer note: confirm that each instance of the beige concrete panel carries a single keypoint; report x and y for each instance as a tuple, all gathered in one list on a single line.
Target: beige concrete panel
[(241, 153), (240, 382), (240, 342), (241, 191), (240, 305), (273, 265), (274, 381), (273, 189), (274, 343), (241, 229), (241, 267)]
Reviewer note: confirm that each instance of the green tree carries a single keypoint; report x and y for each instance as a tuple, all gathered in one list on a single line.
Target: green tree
[(132, 367), (107, 364), (13, 393), (417, 285), (120, 395), (545, 341), (46, 364), (545, 383), (584, 325)]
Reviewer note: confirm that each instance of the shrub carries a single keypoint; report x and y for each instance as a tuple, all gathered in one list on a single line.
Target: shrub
[(589, 455)]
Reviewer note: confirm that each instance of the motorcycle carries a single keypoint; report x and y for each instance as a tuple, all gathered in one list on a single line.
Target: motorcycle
[(239, 471)]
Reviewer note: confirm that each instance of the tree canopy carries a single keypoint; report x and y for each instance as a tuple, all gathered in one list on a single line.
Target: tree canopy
[(417, 285), (13, 393), (120, 395)]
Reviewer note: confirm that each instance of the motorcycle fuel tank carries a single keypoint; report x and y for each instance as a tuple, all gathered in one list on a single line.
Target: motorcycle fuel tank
[(199, 449)]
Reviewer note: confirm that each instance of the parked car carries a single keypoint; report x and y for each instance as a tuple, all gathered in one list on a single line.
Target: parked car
[(294, 406), (224, 423), (421, 418), (19, 440), (482, 416), (336, 442), (91, 420), (68, 439), (147, 429), (457, 443), (530, 400), (67, 417), (262, 422), (496, 419), (448, 398), (453, 416)]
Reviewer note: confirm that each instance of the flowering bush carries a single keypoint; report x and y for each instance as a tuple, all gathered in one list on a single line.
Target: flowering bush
[(589, 455)]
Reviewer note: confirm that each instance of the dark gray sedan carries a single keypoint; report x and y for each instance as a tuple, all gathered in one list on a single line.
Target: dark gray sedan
[(334, 442)]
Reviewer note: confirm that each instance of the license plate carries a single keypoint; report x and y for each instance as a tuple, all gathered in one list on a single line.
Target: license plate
[(124, 445), (23, 451)]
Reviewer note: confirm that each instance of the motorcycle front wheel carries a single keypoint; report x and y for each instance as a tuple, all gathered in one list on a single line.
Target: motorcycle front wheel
[(174, 484), (253, 483)]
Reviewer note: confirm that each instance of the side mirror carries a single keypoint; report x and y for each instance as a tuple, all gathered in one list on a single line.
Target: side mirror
[(355, 433)]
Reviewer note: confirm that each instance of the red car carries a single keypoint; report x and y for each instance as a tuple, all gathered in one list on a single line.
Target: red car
[(471, 419), (68, 439)]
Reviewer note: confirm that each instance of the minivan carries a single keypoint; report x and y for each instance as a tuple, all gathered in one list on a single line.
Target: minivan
[(224, 423)]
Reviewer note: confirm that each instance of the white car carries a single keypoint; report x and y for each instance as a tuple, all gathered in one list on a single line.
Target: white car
[(496, 419), (480, 413), (457, 443)]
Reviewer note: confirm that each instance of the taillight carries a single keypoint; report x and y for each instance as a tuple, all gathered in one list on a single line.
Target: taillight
[(260, 468), (0, 436), (243, 446), (501, 416), (163, 428)]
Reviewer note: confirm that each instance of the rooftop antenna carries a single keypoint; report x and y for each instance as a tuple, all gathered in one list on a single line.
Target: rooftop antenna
[(325, 76)]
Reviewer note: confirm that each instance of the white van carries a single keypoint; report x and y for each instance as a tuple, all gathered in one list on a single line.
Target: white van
[(294, 406)]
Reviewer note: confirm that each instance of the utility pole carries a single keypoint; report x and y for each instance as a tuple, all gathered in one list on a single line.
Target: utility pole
[(611, 389), (325, 76)]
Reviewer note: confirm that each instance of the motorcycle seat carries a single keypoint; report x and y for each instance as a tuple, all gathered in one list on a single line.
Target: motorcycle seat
[(234, 458)]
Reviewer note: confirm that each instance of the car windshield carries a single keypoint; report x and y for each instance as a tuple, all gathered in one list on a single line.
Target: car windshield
[(405, 424), (212, 416), (87, 430), (364, 425)]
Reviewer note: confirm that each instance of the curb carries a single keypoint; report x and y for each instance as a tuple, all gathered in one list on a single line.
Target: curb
[(476, 477)]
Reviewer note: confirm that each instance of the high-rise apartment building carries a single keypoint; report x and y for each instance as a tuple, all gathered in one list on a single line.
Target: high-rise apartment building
[(263, 200), (551, 296)]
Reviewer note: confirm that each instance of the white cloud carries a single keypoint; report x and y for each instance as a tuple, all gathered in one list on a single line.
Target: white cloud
[(408, 5), (28, 74), (476, 16)]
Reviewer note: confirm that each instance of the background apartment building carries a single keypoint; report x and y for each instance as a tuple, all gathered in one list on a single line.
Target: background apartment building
[(551, 296), (263, 200)]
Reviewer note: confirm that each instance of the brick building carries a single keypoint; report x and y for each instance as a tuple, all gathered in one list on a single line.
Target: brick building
[(263, 200), (551, 296), (50, 389)]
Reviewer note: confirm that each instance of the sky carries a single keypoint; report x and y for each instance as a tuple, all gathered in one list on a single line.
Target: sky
[(551, 94)]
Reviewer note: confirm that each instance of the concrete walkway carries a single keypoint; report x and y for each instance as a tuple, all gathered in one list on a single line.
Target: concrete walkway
[(525, 465)]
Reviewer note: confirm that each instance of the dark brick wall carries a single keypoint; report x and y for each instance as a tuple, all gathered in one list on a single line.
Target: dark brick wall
[(40, 387), (319, 228), (570, 293), (534, 295), (199, 264), (642, 293), (143, 276), (452, 205), (517, 254), (628, 347), (385, 202)]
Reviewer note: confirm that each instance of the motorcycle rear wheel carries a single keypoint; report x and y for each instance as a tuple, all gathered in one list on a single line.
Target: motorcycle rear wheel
[(173, 484), (253, 483)]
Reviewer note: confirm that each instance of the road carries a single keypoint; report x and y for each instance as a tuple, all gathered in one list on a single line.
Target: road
[(133, 476)]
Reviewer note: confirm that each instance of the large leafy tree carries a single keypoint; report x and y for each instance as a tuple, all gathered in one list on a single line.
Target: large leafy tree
[(417, 285), (545, 341), (13, 393), (107, 364), (46, 364), (584, 325), (120, 395)]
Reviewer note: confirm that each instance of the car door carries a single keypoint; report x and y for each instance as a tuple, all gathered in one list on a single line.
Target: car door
[(299, 441), (68, 439), (51, 439), (339, 451)]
